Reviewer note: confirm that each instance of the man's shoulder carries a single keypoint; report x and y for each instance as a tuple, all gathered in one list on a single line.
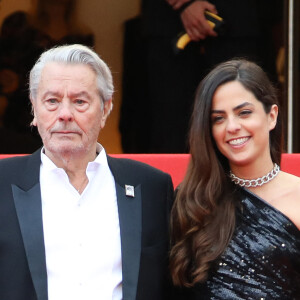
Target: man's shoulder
[(131, 164), (14, 161), (17, 166), (129, 169)]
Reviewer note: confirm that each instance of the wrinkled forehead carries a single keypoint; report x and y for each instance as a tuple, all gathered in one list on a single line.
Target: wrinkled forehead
[(67, 66), (78, 73), (67, 79)]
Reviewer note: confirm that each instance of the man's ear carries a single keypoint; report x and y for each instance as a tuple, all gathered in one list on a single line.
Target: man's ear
[(273, 114), (107, 108), (33, 122)]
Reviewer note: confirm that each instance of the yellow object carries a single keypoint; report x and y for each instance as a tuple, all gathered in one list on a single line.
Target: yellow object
[(213, 20), (183, 41), (211, 24), (213, 16)]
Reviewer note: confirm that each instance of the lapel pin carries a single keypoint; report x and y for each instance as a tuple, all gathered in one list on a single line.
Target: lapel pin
[(129, 190)]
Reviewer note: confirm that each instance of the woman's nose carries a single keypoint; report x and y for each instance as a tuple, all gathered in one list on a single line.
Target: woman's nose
[(233, 125)]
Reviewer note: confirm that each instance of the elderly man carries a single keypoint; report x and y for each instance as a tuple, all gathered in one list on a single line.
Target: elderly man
[(76, 223)]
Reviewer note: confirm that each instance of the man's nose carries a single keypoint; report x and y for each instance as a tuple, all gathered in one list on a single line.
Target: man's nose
[(233, 125), (65, 112)]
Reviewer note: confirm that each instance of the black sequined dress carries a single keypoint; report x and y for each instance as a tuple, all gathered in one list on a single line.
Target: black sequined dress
[(262, 261)]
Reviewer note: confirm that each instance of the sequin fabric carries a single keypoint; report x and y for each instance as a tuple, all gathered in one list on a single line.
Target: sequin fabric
[(262, 261)]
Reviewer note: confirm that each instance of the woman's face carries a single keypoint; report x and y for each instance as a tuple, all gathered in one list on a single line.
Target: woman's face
[(240, 125)]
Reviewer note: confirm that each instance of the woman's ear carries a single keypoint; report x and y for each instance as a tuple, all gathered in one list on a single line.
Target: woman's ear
[(273, 114)]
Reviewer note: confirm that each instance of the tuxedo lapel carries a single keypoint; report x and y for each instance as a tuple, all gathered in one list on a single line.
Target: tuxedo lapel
[(27, 199), (130, 218), (29, 212)]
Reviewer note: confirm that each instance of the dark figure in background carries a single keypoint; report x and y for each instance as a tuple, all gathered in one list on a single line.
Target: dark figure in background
[(236, 217), (24, 36), (56, 19), (160, 83)]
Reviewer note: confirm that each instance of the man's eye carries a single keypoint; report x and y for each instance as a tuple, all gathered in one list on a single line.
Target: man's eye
[(79, 101), (52, 101)]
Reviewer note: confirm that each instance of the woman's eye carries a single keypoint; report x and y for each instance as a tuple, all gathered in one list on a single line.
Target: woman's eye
[(245, 112), (217, 119)]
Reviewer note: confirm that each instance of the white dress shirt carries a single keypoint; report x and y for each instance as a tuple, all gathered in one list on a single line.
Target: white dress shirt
[(82, 233)]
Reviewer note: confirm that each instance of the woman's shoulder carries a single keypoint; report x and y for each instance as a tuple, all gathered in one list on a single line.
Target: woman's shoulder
[(288, 200), (290, 182)]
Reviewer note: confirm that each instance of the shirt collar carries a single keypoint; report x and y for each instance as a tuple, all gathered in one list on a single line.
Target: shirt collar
[(101, 159)]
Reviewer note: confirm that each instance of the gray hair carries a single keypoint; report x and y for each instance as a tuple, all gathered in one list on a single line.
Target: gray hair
[(73, 54)]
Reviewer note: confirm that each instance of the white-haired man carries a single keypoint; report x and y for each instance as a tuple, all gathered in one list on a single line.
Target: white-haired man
[(76, 223)]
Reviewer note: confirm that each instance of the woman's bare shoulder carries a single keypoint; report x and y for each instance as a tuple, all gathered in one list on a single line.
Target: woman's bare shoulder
[(290, 181), (288, 200)]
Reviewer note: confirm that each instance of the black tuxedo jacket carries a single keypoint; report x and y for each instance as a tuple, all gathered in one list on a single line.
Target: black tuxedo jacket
[(144, 223)]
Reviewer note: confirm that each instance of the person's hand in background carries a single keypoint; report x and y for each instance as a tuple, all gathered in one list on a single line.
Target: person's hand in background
[(194, 21), (176, 4)]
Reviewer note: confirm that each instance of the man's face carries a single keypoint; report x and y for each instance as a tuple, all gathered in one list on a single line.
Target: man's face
[(67, 109)]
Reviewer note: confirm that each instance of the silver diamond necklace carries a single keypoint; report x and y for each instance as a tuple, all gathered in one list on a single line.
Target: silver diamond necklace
[(255, 182)]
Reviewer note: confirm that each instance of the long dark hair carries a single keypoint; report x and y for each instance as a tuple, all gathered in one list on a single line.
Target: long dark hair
[(203, 216)]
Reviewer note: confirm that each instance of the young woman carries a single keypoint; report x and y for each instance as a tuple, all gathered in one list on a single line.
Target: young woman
[(236, 218)]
